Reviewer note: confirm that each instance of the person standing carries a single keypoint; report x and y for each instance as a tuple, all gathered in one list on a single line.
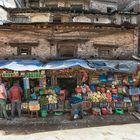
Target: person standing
[(15, 95), (3, 98)]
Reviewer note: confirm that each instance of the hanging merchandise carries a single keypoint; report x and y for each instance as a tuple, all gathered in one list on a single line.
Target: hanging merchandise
[(103, 89), (42, 82), (85, 76), (130, 79), (87, 88), (103, 78), (78, 89), (57, 89), (26, 83), (84, 90), (110, 77), (114, 90), (26, 87), (92, 87)]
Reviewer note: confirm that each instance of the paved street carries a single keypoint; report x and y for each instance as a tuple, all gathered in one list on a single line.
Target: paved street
[(120, 132)]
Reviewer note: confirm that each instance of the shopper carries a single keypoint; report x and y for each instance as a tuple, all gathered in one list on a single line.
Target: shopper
[(15, 95), (3, 98)]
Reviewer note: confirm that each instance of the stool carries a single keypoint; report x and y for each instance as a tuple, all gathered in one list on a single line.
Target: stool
[(34, 114)]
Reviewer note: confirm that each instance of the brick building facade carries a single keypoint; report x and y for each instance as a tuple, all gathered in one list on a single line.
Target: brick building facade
[(67, 29)]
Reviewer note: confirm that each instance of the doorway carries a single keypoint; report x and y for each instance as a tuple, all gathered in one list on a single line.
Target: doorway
[(69, 84)]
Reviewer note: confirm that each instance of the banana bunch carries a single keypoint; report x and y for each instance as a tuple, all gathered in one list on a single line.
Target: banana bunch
[(97, 97)]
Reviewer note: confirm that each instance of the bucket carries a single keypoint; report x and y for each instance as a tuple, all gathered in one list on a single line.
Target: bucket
[(119, 111), (44, 113)]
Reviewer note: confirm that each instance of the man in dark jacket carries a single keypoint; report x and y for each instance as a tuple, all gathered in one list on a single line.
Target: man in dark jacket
[(15, 95)]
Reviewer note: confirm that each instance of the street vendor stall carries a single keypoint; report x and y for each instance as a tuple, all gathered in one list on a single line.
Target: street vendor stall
[(107, 86)]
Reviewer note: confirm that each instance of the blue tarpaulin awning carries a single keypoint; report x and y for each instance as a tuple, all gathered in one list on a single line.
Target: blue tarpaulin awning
[(124, 66), (64, 64), (21, 65)]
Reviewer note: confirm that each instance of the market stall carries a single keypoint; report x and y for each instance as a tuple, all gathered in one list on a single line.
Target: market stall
[(104, 86)]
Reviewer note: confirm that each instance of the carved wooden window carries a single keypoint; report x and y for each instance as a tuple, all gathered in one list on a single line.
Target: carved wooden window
[(34, 4), (109, 9), (24, 50), (57, 19), (126, 18), (19, 19), (52, 5), (105, 52), (77, 6), (66, 51)]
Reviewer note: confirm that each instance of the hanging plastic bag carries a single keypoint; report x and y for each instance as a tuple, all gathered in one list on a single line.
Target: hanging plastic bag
[(103, 78), (130, 79), (110, 77)]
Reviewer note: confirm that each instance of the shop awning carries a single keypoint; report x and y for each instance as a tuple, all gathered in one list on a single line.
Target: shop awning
[(124, 66), (3, 63), (63, 64), (21, 65)]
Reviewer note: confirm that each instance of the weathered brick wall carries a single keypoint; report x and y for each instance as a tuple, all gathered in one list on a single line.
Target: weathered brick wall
[(86, 37)]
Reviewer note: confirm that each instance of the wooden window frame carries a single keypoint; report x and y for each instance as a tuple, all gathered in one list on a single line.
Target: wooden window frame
[(57, 19), (105, 52), (63, 53), (76, 6), (24, 47)]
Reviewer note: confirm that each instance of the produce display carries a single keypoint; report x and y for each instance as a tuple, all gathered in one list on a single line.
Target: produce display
[(43, 100), (52, 99), (97, 97)]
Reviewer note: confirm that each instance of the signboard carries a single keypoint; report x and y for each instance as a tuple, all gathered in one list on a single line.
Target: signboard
[(8, 73), (33, 74)]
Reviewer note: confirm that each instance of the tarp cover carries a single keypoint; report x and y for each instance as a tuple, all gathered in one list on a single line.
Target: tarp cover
[(21, 65), (126, 66), (63, 64), (12, 3)]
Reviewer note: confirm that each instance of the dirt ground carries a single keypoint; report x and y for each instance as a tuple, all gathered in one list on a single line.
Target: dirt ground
[(113, 132), (26, 125)]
